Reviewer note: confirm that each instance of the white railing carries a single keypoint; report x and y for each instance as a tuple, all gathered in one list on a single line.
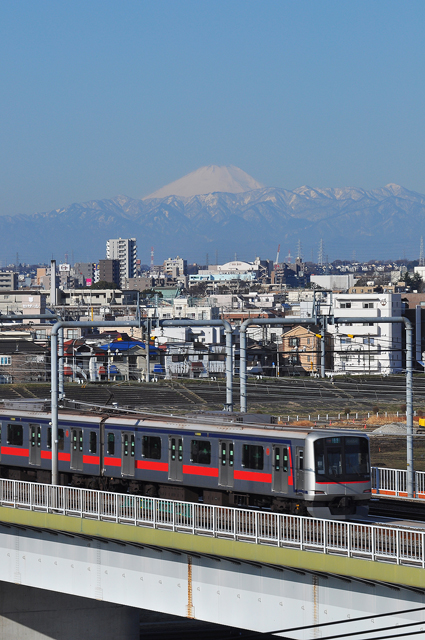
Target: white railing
[(369, 542), (393, 482)]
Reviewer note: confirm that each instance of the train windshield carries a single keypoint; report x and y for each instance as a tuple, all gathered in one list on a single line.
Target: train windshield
[(341, 459)]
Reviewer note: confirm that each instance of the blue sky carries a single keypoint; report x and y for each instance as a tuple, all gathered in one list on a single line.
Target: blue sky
[(106, 98)]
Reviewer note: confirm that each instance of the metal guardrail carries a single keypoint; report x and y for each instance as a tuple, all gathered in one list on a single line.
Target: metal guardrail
[(393, 482), (353, 540)]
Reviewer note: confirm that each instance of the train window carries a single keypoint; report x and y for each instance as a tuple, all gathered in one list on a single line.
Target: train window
[(61, 439), (93, 442), (173, 448), (345, 458), (319, 451), (281, 459), (132, 446), (151, 447), (200, 451), (356, 456), (15, 435), (252, 456), (277, 458), (125, 444), (180, 449), (231, 454), (301, 460), (111, 444)]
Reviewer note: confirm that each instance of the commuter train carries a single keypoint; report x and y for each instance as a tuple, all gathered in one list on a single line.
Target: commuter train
[(321, 472)]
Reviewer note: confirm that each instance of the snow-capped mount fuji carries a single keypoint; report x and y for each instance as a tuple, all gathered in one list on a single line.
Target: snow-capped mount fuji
[(210, 179), (376, 223)]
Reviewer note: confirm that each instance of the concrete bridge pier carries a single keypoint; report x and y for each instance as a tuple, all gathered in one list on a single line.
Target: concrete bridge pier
[(27, 613)]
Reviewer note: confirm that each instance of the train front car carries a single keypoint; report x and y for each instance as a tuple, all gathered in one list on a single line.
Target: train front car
[(337, 481)]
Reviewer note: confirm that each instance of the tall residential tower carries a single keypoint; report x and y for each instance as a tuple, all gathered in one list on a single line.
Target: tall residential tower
[(124, 250)]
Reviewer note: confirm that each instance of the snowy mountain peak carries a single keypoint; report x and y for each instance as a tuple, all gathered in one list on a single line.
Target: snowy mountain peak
[(210, 179)]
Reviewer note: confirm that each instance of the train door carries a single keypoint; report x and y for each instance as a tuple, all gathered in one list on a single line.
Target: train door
[(77, 449), (226, 454), (280, 469), (175, 458), (300, 469), (127, 454), (35, 444)]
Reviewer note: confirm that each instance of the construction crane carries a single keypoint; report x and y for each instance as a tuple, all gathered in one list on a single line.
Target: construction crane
[(277, 258)]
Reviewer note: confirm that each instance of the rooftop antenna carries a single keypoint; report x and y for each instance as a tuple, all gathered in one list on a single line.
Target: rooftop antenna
[(152, 260), (421, 253)]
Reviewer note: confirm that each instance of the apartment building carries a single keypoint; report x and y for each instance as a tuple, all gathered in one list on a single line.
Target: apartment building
[(175, 267), (8, 280), (109, 271), (366, 347), (124, 250)]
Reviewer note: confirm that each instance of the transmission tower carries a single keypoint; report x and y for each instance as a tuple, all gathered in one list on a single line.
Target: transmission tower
[(321, 253), (421, 253), (299, 250), (152, 260)]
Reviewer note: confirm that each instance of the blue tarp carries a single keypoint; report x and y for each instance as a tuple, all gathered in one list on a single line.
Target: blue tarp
[(122, 345)]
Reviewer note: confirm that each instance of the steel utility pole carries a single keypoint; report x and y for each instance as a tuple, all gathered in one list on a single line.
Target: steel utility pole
[(55, 377), (409, 384)]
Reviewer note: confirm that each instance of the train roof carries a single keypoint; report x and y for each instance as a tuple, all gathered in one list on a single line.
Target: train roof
[(212, 422)]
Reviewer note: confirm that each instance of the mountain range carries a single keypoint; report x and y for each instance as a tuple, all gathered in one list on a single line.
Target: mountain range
[(381, 223)]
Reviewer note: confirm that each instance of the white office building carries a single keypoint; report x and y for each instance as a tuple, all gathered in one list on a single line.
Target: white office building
[(124, 250), (366, 347)]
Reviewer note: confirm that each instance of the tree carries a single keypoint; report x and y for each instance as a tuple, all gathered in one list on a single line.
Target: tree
[(414, 282), (102, 284)]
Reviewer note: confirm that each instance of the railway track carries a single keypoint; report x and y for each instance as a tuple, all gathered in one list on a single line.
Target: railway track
[(292, 395), (398, 508)]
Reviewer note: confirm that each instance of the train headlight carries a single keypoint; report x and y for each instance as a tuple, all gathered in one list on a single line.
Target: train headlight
[(321, 493), (366, 491)]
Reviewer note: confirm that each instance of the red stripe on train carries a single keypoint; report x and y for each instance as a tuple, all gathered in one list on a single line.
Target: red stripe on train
[(91, 459), (14, 451), (112, 462), (152, 466), (200, 471), (63, 457), (252, 476)]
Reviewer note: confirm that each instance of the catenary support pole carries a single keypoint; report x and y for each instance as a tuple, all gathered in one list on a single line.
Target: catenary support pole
[(418, 332), (147, 347), (323, 347), (55, 377), (229, 346), (409, 385), (60, 355), (242, 361)]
